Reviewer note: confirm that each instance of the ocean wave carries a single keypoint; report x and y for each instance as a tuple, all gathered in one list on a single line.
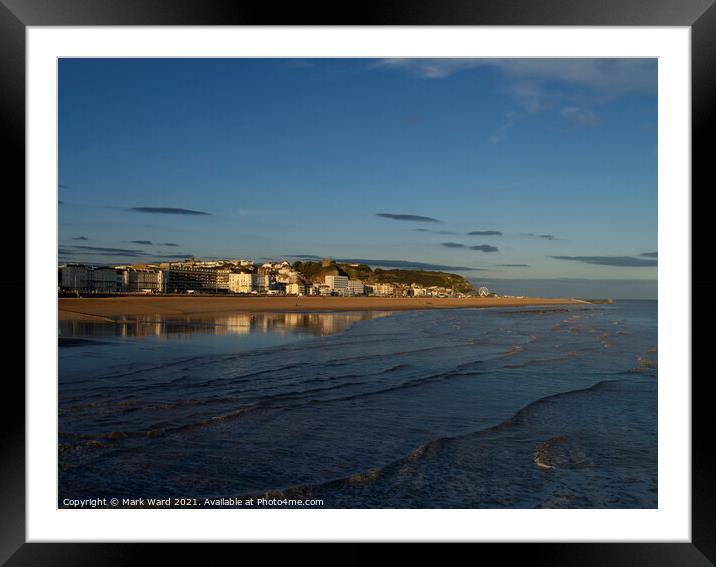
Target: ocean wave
[(558, 451), (536, 311), (543, 361)]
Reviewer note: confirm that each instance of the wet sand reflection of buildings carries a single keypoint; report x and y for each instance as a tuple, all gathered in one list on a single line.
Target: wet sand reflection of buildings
[(319, 324)]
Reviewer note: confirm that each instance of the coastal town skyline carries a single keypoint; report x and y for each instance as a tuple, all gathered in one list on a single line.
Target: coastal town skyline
[(499, 170)]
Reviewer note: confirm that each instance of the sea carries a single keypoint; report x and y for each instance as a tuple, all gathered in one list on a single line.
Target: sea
[(532, 407)]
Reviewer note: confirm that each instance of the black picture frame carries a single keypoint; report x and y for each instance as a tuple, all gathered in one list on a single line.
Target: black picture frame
[(16, 15)]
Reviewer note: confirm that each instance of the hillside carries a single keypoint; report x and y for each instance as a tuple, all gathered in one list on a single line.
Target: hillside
[(314, 272)]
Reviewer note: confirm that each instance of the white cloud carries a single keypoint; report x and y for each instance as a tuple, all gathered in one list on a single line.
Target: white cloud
[(512, 118), (579, 116), (612, 75), (537, 85)]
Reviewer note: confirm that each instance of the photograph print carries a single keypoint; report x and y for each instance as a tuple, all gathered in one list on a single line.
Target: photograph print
[(357, 283)]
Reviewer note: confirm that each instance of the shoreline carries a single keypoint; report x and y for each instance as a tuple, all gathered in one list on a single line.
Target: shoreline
[(102, 309)]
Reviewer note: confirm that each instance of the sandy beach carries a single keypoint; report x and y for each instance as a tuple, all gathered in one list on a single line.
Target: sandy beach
[(103, 308)]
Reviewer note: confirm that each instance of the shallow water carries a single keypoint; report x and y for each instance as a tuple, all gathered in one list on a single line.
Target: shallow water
[(537, 407)]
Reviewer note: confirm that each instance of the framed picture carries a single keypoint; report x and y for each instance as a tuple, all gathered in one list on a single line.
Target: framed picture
[(258, 252)]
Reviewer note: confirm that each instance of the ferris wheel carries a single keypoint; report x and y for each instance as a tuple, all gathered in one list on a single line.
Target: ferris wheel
[(483, 291)]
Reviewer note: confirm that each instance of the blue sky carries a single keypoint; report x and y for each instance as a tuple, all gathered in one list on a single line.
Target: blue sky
[(380, 159)]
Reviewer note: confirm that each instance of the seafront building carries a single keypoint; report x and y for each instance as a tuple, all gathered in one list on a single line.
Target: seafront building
[(229, 276), (107, 280), (342, 285), (323, 289), (355, 287), (382, 289), (182, 279), (146, 281), (77, 277), (418, 290), (295, 289), (337, 283), (248, 283)]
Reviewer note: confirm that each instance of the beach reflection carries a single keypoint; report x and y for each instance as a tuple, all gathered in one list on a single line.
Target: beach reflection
[(318, 324)]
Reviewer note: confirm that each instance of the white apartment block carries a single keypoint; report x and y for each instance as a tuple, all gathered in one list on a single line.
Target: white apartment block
[(355, 287), (104, 280), (240, 283), (322, 289), (259, 283), (86, 278), (337, 283), (248, 283), (383, 289), (295, 289), (145, 280), (75, 277), (419, 291)]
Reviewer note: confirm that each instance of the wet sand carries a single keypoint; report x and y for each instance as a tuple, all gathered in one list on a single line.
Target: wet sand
[(101, 308)]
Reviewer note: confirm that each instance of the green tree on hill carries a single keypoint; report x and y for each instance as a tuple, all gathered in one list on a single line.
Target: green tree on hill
[(315, 272)]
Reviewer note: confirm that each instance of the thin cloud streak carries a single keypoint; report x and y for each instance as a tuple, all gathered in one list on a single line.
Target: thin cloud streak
[(484, 248), (542, 236), (614, 261), (103, 249), (403, 217), (167, 211), (443, 232)]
